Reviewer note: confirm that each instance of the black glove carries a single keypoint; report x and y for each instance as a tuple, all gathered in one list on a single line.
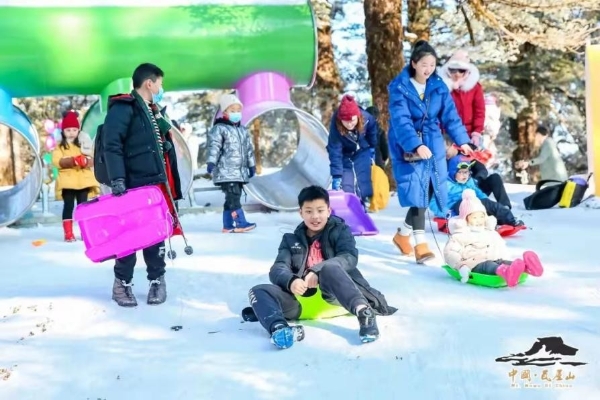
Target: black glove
[(167, 146), (118, 187)]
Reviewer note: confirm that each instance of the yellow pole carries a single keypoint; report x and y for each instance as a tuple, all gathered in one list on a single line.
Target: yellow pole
[(592, 110)]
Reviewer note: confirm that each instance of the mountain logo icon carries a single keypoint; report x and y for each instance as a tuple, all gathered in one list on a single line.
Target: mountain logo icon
[(545, 351)]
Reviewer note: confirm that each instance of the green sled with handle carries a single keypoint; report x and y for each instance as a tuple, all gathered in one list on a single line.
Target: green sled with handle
[(493, 281)]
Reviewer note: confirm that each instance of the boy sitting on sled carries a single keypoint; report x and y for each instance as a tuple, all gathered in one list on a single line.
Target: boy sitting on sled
[(475, 246), (320, 253), (459, 179)]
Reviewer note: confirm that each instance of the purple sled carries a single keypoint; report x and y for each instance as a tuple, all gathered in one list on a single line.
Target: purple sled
[(348, 207)]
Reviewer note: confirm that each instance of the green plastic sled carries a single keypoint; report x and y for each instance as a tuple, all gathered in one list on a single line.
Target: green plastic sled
[(314, 307), (493, 281)]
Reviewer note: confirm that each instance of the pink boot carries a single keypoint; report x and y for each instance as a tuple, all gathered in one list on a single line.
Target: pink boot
[(512, 272), (533, 265)]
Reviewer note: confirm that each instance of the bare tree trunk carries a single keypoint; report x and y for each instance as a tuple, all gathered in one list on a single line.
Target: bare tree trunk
[(329, 82), (255, 130), (523, 129), (7, 170), (419, 19), (384, 53)]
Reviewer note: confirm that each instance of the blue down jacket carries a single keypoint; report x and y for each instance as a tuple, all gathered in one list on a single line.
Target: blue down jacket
[(409, 115)]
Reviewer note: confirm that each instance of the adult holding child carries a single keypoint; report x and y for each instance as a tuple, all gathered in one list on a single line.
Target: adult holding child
[(420, 106)]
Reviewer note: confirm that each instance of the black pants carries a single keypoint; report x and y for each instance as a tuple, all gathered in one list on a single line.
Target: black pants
[(493, 185), (273, 305), (154, 256), (502, 213), (415, 217), (233, 195), (69, 197), (489, 267)]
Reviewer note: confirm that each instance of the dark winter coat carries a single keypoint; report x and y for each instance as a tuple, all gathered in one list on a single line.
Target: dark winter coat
[(409, 115), (338, 246), (343, 150), (382, 152), (131, 148)]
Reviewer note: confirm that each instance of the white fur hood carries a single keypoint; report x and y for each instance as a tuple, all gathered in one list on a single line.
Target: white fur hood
[(469, 83)]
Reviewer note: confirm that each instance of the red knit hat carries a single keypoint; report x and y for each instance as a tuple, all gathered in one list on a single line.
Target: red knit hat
[(348, 109), (70, 120)]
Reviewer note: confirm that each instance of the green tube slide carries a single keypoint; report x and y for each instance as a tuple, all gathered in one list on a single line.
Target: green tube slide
[(49, 51), (91, 47)]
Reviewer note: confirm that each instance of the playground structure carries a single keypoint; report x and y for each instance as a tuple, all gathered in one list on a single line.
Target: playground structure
[(592, 112), (260, 48)]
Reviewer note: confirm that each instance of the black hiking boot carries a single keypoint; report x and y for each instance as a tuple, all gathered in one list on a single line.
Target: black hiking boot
[(158, 291), (368, 326), (123, 294)]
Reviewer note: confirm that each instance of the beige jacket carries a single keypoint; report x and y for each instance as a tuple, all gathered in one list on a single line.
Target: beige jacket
[(470, 246)]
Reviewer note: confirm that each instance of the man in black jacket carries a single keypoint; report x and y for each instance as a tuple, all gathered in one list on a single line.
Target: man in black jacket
[(139, 151), (321, 252)]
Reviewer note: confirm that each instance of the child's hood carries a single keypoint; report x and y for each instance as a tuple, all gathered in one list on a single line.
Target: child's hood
[(453, 165)]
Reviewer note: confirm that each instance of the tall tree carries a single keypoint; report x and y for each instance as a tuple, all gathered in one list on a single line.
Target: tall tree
[(329, 82), (384, 54), (419, 19)]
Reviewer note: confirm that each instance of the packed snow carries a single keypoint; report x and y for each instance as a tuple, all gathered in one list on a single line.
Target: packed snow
[(61, 336)]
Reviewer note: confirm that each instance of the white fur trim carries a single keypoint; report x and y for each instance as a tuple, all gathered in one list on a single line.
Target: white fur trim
[(468, 84), (456, 225)]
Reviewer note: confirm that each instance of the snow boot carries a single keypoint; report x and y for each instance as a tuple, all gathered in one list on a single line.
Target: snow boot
[(228, 226), (402, 242), (158, 291), (533, 265), (68, 229), (422, 253), (368, 325), (123, 294), (511, 273), (241, 225), (284, 336)]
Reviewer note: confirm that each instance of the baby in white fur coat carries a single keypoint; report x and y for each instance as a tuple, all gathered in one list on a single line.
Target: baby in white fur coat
[(476, 246)]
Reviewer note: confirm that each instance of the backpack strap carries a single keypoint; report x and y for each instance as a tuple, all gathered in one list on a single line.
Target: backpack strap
[(539, 185)]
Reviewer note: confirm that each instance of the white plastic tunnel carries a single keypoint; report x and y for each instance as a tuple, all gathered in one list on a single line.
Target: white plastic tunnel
[(17, 200)]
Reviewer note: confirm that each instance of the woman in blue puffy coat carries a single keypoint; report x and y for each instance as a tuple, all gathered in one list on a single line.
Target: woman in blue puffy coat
[(351, 147), (420, 105)]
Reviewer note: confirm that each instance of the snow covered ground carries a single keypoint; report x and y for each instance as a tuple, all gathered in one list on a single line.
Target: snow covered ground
[(61, 337)]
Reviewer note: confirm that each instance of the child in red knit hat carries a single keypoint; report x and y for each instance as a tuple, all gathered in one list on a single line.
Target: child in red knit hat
[(75, 181), (476, 246), (351, 147)]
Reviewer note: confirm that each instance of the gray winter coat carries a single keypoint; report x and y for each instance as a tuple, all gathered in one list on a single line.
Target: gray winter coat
[(230, 149), (550, 162)]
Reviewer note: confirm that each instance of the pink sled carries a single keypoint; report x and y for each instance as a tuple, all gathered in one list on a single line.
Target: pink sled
[(117, 226)]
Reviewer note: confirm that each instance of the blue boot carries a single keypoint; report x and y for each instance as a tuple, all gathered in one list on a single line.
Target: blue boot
[(228, 222), (241, 225)]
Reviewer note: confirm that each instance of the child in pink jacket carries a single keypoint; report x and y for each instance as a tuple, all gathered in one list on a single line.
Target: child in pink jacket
[(476, 246)]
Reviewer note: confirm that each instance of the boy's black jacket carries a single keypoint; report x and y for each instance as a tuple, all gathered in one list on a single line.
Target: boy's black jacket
[(338, 246)]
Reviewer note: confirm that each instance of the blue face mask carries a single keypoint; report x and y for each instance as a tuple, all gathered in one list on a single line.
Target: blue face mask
[(235, 117), (157, 98)]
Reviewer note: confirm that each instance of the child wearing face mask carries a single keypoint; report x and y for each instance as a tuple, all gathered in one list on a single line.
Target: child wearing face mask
[(351, 147), (231, 162), (75, 181), (476, 246)]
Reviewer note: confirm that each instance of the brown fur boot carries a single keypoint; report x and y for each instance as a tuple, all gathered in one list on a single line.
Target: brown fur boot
[(422, 253), (402, 242)]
